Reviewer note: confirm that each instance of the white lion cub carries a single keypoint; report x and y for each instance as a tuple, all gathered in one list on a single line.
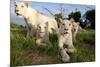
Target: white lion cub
[(33, 18), (65, 38), (42, 34), (75, 28)]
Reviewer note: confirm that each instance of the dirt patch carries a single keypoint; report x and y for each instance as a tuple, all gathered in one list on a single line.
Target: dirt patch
[(41, 58)]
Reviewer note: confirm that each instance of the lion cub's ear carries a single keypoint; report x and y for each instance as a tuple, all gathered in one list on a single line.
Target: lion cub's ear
[(78, 23), (26, 3)]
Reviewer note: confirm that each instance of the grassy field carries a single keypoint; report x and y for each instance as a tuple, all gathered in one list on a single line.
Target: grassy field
[(24, 51)]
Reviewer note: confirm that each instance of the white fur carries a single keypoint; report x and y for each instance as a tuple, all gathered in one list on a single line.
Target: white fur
[(75, 28), (65, 38), (33, 18), (42, 34)]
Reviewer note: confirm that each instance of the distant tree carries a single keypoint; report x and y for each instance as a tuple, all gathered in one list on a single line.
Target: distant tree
[(15, 25), (59, 15), (82, 24), (75, 15), (21, 26), (90, 16)]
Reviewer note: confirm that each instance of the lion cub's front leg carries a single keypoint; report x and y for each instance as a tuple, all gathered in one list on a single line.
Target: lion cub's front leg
[(70, 47), (40, 42), (64, 56)]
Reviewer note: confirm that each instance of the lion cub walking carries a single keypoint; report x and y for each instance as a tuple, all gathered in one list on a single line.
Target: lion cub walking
[(65, 38)]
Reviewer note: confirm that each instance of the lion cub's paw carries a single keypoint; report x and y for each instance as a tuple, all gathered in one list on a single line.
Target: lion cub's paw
[(70, 50)]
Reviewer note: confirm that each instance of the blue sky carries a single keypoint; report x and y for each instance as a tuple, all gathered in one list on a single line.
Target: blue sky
[(53, 7)]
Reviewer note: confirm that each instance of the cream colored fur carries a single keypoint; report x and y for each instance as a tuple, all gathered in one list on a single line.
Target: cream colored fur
[(33, 18), (65, 38), (42, 34), (75, 28)]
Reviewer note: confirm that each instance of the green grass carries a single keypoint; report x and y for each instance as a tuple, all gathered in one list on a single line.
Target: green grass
[(24, 51), (85, 45)]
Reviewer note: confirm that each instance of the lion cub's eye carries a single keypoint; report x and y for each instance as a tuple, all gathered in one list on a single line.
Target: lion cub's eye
[(69, 24), (39, 27), (63, 24)]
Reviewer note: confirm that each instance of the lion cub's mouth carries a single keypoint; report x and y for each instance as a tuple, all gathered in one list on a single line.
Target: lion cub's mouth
[(18, 14), (66, 32)]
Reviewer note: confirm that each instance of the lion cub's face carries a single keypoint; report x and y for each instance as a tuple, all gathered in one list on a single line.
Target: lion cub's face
[(21, 8), (65, 27), (75, 26), (42, 30)]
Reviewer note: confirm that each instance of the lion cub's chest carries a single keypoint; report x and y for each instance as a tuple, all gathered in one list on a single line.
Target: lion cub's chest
[(65, 37)]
